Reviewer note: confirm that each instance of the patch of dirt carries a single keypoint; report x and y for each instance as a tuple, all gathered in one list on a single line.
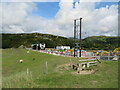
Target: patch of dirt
[(68, 66), (84, 72), (63, 67)]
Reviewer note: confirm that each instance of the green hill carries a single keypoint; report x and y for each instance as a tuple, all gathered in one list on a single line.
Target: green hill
[(100, 42), (51, 41), (26, 39)]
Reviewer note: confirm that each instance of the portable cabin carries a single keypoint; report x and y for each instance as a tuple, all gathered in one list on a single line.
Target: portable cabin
[(63, 47), (40, 46)]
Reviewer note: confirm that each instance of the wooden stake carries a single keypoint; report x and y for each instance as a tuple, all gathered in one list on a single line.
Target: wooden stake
[(27, 71), (46, 67), (70, 63)]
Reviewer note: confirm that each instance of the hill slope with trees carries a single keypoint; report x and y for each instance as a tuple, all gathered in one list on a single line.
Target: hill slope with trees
[(100, 42), (16, 40), (51, 41)]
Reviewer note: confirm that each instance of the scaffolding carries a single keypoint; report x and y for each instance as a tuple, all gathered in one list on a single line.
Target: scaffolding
[(77, 37)]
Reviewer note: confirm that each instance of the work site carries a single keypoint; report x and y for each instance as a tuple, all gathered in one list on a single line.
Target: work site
[(63, 44)]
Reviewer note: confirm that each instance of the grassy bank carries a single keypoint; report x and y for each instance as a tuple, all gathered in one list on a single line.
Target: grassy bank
[(15, 73)]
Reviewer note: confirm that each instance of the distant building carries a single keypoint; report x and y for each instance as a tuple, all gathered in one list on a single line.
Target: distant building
[(63, 47), (40, 46)]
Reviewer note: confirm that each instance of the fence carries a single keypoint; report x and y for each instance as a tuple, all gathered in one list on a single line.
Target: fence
[(114, 58)]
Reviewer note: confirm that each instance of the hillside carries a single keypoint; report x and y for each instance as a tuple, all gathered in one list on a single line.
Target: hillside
[(15, 40), (100, 42), (51, 41), (32, 72)]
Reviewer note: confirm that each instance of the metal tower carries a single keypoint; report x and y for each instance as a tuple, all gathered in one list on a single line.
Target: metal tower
[(77, 36)]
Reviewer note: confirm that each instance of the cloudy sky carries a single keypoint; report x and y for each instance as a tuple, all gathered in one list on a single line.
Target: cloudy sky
[(99, 18)]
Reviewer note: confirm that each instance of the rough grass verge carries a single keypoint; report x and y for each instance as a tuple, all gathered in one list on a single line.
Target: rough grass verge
[(22, 79)]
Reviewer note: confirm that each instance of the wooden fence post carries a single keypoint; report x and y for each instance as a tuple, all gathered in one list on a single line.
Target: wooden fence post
[(70, 63), (27, 71), (46, 67)]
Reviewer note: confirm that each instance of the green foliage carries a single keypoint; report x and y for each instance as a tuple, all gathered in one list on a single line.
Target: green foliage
[(100, 42), (51, 41), (16, 40)]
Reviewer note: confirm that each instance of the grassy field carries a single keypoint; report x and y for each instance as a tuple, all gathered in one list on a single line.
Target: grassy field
[(32, 72)]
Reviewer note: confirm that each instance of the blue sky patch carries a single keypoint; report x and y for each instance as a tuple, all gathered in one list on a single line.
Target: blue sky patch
[(103, 4), (49, 9), (46, 9)]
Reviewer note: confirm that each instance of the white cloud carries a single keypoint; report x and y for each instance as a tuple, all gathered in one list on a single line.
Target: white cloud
[(14, 14), (101, 21), (59, 0), (17, 18), (13, 28)]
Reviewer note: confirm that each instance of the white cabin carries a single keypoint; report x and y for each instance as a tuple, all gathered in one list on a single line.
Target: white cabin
[(63, 47), (38, 46)]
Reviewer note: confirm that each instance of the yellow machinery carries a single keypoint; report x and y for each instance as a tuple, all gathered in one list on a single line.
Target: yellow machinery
[(116, 49)]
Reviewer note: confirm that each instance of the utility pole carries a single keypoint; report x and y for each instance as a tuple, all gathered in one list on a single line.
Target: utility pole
[(74, 35), (80, 36)]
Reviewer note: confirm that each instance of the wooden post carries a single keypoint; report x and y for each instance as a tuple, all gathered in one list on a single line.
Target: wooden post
[(27, 71), (70, 63), (88, 64), (79, 68), (46, 67)]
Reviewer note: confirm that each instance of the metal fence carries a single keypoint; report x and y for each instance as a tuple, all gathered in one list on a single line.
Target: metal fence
[(114, 58)]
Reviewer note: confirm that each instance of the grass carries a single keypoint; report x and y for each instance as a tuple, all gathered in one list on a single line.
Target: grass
[(23, 80), (14, 73)]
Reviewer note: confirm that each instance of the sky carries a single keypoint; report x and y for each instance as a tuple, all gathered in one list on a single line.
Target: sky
[(99, 18), (46, 9)]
